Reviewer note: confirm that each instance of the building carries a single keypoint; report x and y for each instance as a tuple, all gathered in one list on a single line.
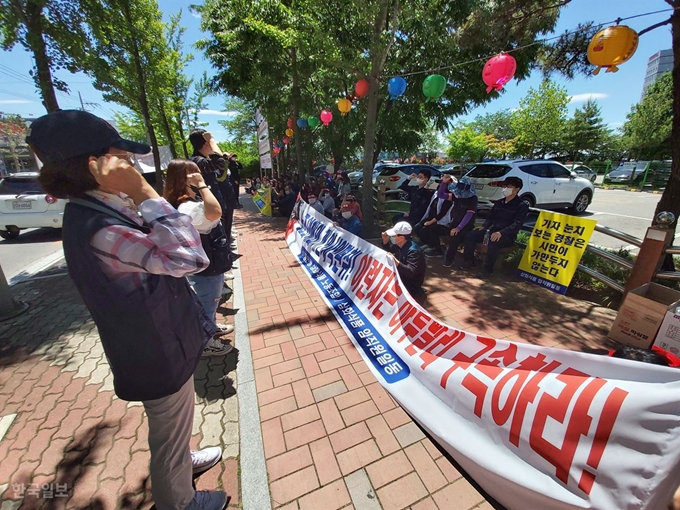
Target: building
[(659, 63)]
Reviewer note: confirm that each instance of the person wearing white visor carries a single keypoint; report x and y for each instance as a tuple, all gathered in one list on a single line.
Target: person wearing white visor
[(408, 256)]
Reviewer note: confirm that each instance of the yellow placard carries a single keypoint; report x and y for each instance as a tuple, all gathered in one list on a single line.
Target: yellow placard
[(263, 201), (554, 250)]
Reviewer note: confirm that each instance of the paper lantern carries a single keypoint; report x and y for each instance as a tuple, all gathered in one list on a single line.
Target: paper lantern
[(302, 123), (498, 71), (313, 122), (396, 87), (344, 105), (290, 123), (433, 86), (289, 132), (286, 140), (361, 88), (326, 117), (611, 47)]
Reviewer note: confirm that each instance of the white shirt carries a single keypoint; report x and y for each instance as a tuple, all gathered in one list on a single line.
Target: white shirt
[(196, 211)]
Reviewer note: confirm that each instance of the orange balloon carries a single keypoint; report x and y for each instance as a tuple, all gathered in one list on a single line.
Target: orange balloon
[(611, 47), (289, 132), (344, 105)]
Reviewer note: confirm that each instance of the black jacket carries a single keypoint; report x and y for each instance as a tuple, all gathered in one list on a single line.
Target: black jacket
[(412, 264), (214, 171), (507, 217), (420, 201)]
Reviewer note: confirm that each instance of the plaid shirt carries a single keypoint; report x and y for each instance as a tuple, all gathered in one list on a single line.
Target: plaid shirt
[(128, 256)]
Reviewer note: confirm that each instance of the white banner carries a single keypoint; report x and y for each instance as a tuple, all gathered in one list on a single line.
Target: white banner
[(537, 428), (266, 161)]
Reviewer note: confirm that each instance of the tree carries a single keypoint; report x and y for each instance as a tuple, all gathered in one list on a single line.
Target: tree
[(13, 134), (465, 144), (498, 124), (648, 126), (540, 119), (585, 133), (50, 31)]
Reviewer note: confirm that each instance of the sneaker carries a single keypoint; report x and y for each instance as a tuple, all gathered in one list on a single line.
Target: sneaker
[(234, 232), (208, 500), (225, 329), (448, 263), (431, 252), (228, 276), (234, 246), (217, 348), (467, 265), (202, 460), (226, 292)]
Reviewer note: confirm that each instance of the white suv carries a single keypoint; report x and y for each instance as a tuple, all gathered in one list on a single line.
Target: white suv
[(547, 184)]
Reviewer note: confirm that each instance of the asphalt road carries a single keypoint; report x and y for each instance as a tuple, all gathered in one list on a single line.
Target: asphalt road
[(629, 212)]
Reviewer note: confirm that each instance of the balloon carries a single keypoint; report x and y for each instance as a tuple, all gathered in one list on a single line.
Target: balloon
[(434, 86), (396, 87), (286, 140), (498, 71), (611, 47), (289, 133), (290, 123), (276, 141), (361, 88), (302, 123), (313, 122), (344, 105), (326, 117)]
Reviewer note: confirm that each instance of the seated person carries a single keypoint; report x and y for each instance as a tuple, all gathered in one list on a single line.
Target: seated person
[(287, 201), (504, 221), (462, 217), (409, 257), (420, 200), (349, 221), (437, 218), (314, 202), (354, 206), (327, 202)]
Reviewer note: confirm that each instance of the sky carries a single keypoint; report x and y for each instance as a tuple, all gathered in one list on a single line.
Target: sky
[(614, 92)]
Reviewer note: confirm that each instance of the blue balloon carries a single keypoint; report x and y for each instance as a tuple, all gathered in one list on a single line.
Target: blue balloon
[(396, 87), (302, 123)]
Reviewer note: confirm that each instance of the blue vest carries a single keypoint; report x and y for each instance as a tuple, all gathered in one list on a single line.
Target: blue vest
[(153, 336)]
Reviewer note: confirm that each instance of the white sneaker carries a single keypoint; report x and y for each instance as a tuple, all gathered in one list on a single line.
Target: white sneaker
[(217, 348), (224, 329), (234, 231), (202, 460), (208, 500), (228, 277)]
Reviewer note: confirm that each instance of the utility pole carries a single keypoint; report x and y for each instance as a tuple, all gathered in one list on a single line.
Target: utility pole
[(82, 106)]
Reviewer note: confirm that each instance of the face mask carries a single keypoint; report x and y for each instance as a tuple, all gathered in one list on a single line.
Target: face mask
[(312, 201), (288, 192), (322, 196), (393, 240), (347, 214), (422, 181), (507, 192)]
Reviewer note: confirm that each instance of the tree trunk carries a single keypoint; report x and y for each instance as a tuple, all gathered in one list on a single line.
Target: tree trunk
[(181, 135), (670, 200), (34, 38), (296, 114), (168, 129)]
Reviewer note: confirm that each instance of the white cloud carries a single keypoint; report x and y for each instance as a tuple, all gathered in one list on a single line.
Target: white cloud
[(195, 14), (14, 101), (615, 125), (217, 112), (582, 98)]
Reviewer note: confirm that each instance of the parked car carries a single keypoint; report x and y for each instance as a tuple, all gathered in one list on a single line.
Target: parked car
[(585, 172), (356, 179), (24, 204), (547, 184), (397, 176), (628, 172), (454, 169)]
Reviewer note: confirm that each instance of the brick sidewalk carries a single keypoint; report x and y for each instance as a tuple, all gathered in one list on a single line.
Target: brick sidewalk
[(333, 438)]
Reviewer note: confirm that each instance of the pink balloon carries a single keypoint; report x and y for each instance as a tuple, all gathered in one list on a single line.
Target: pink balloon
[(326, 117), (286, 140), (498, 71)]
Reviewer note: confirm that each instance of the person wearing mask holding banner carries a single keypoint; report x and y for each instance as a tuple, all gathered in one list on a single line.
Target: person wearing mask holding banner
[(128, 252), (500, 228), (350, 221), (410, 259)]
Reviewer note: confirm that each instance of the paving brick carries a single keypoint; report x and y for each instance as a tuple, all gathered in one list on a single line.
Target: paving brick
[(87, 486), (403, 492), (367, 378), (293, 486), (351, 436), (380, 397), (305, 340), (310, 365), (408, 434), (324, 460), (352, 398), (358, 456), (327, 354), (449, 471), (330, 497), (289, 462), (272, 437), (333, 363), (268, 361), (431, 448), (330, 415), (263, 380), (310, 348), (396, 417), (428, 471), (350, 377), (303, 393), (288, 377), (274, 395), (359, 412), (285, 366), (351, 352), (38, 445), (230, 482), (304, 434), (323, 379), (360, 367), (329, 391), (389, 469), (300, 417), (266, 352), (118, 458), (459, 494), (427, 504), (383, 435), (289, 351)]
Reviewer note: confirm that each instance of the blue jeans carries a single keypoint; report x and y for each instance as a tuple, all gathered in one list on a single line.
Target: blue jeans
[(208, 289)]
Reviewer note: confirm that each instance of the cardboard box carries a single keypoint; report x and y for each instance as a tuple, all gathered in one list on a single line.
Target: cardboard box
[(668, 337), (642, 313)]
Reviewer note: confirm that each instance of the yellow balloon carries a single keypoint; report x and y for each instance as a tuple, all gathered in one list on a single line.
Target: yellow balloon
[(344, 105), (612, 47), (289, 132)]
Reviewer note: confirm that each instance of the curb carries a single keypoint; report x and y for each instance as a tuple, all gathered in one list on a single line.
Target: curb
[(37, 267), (635, 190)]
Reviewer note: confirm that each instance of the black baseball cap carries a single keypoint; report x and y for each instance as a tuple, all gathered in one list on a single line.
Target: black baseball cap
[(67, 134), (515, 182)]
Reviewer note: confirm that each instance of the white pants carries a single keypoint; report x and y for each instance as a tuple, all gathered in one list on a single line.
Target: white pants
[(170, 423)]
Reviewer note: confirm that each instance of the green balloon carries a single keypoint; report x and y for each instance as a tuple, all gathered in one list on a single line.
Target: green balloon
[(313, 122), (433, 86)]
